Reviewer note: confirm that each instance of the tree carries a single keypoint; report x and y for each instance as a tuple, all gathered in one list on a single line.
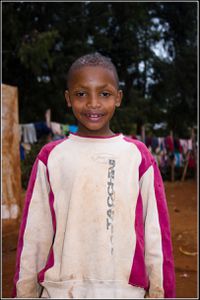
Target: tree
[(41, 40), (176, 77)]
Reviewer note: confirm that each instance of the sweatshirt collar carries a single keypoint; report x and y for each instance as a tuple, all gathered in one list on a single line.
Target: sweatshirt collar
[(91, 139)]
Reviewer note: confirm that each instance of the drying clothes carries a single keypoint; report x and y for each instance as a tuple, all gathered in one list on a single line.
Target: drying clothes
[(154, 143), (28, 133), (56, 128), (191, 162), (57, 137), (73, 128), (148, 140), (190, 144), (22, 152), (42, 129), (95, 223), (178, 159), (161, 143), (169, 143), (177, 145), (48, 117), (65, 129), (186, 145)]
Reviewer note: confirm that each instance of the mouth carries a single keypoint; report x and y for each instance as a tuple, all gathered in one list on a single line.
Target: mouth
[(94, 117)]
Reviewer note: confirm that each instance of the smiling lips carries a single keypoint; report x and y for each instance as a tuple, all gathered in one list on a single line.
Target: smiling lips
[(94, 116)]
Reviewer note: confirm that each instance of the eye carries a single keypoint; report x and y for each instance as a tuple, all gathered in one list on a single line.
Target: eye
[(105, 94), (80, 94)]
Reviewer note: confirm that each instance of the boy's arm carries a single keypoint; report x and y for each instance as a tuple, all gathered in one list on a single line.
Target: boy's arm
[(36, 234), (158, 246)]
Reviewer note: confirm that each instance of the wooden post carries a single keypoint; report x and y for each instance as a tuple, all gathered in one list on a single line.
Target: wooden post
[(172, 161), (193, 150), (11, 171), (172, 170), (48, 117), (186, 166)]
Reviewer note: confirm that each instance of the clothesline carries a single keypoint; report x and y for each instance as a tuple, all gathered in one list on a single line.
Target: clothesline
[(30, 133), (166, 149)]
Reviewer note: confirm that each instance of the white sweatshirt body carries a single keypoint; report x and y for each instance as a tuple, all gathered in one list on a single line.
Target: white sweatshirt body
[(95, 224)]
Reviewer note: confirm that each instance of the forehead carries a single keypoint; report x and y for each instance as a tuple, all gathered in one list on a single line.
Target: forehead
[(87, 75)]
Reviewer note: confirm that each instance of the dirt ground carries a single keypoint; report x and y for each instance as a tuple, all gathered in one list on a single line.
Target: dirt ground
[(182, 204)]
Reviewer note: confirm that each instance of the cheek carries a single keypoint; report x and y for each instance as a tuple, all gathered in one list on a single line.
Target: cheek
[(76, 105), (77, 109), (111, 107)]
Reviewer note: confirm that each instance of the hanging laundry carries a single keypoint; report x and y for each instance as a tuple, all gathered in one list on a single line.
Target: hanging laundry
[(190, 144), (154, 143), (184, 145), (22, 152), (169, 143), (161, 143), (178, 159), (148, 140), (56, 128), (65, 129), (73, 128), (48, 117), (42, 129), (191, 162), (29, 135), (177, 145), (57, 137)]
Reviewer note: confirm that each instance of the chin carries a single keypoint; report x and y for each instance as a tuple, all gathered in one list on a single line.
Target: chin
[(95, 129)]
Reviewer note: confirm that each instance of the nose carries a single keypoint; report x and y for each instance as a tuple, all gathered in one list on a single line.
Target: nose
[(93, 102)]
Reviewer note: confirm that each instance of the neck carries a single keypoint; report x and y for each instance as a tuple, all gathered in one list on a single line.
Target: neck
[(85, 132)]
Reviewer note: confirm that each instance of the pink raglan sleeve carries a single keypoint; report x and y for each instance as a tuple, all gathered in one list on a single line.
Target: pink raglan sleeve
[(158, 245), (35, 236)]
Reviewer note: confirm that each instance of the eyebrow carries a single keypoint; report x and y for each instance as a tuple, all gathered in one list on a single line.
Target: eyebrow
[(99, 87)]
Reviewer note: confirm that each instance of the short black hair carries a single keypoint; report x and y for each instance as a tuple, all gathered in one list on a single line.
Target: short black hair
[(93, 59)]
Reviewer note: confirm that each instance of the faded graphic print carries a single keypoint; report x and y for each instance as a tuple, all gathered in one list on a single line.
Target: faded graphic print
[(110, 201)]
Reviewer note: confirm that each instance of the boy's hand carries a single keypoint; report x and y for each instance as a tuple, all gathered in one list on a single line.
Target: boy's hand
[(154, 294)]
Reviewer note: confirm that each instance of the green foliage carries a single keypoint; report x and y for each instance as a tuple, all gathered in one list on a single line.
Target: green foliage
[(27, 164), (35, 50), (41, 40)]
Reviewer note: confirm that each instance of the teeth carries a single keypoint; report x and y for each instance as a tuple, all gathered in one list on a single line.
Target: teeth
[(93, 115)]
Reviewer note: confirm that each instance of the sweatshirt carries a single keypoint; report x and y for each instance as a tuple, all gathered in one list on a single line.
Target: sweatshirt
[(95, 223)]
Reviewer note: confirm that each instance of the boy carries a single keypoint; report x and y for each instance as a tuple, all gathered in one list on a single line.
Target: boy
[(95, 222)]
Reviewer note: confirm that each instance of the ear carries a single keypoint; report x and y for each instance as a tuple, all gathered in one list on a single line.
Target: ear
[(119, 98), (67, 98)]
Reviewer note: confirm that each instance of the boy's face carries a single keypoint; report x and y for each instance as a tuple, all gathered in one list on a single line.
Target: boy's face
[(93, 95)]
